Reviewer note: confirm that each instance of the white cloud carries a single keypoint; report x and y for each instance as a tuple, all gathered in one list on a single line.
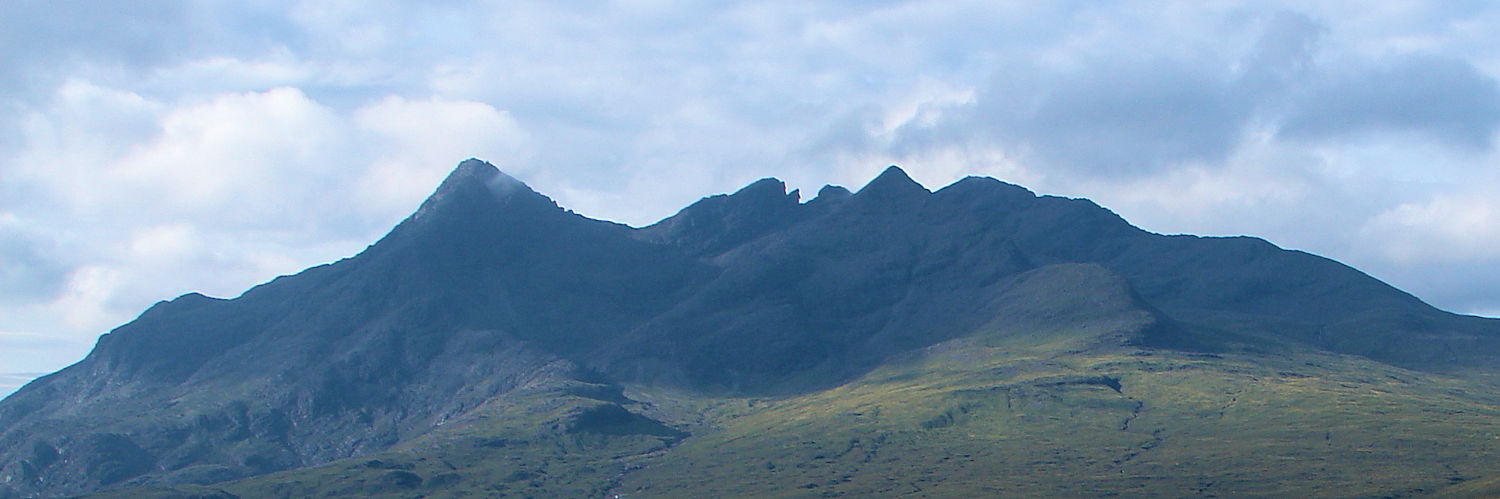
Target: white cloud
[(1451, 227), (215, 74), (248, 159), (412, 144), (79, 126), (86, 301)]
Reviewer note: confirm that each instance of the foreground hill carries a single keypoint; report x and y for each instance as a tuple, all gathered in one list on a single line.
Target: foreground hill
[(894, 340)]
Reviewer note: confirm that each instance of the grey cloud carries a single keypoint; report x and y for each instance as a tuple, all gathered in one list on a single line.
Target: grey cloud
[(55, 31), (29, 271), (849, 131), (1116, 114), (1282, 55), (1130, 119), (1446, 98), (138, 33), (44, 41), (1111, 118)]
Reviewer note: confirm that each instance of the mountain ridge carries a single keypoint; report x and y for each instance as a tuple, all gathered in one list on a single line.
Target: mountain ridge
[(490, 293)]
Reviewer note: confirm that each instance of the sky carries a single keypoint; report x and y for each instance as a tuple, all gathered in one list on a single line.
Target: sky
[(151, 149)]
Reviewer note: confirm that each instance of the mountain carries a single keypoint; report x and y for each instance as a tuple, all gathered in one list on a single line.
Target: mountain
[(978, 339)]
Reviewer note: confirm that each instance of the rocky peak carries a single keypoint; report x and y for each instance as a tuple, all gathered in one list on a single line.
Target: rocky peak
[(892, 189), (768, 189), (717, 223), (984, 195), (476, 187), (833, 193)]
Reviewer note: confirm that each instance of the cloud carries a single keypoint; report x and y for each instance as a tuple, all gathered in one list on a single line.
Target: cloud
[(411, 142), (80, 123), (1132, 118), (1447, 228), (69, 31), (1103, 108), (1439, 97), (1444, 249), (46, 42), (252, 160), (29, 269), (1282, 54), (277, 146), (1109, 110)]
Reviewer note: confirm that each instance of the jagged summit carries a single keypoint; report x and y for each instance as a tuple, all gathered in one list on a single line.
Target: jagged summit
[(985, 194), (477, 185), (989, 185), (892, 178), (473, 172), (764, 188), (893, 189), (474, 167), (832, 192), (716, 223)]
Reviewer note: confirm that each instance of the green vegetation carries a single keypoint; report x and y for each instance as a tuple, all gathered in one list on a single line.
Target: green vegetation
[(962, 419), (972, 421), (536, 442)]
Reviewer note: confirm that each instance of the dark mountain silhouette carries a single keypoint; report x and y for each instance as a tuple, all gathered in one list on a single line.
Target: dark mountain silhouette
[(491, 292)]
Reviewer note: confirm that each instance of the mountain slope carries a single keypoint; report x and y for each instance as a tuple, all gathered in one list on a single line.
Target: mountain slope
[(1049, 402), (494, 315), (963, 419)]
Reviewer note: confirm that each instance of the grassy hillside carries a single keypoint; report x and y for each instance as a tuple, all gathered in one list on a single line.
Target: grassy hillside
[(988, 421), (993, 414)]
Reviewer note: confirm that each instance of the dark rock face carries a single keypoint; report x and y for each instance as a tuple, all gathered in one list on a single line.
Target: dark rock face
[(491, 286), (719, 223)]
